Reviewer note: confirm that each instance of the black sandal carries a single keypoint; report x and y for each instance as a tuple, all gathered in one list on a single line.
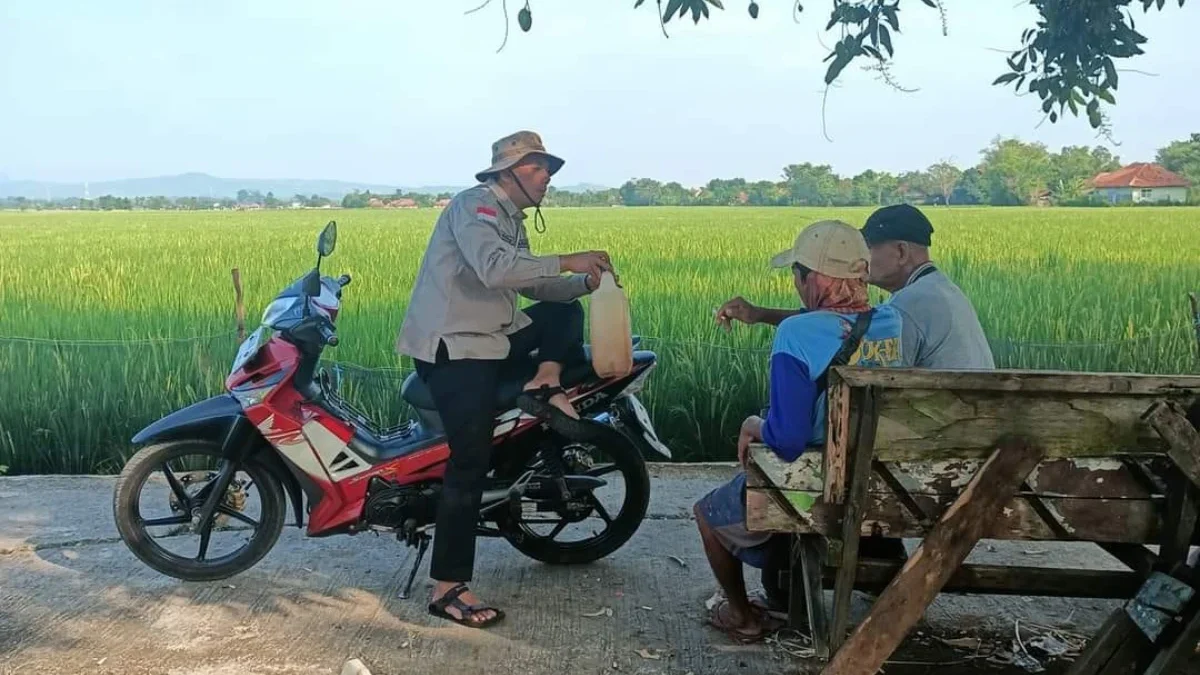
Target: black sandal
[(536, 402), (438, 609)]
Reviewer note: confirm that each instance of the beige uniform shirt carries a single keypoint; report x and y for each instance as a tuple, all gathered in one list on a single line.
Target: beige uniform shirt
[(476, 264)]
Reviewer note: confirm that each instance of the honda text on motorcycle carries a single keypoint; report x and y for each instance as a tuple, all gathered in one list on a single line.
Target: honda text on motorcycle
[(223, 470)]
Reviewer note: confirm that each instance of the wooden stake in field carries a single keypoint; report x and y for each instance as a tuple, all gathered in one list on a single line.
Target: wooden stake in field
[(239, 309), (1196, 320)]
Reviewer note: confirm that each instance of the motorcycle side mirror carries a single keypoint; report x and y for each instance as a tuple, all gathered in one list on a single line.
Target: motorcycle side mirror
[(328, 240)]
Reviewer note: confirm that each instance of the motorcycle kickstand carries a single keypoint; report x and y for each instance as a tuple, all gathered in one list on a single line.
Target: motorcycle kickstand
[(412, 573)]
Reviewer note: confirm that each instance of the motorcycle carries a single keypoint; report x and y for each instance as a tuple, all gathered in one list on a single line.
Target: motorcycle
[(284, 426)]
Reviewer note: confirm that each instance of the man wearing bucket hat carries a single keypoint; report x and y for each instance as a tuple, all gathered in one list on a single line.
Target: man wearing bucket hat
[(462, 325), (829, 269)]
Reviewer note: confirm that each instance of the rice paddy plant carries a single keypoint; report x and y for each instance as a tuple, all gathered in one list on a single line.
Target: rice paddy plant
[(107, 299)]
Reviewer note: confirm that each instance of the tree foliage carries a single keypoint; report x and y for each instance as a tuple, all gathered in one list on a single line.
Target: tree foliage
[(1068, 57), (1183, 157)]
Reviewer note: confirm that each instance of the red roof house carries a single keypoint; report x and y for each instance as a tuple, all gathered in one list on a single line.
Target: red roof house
[(1141, 182)]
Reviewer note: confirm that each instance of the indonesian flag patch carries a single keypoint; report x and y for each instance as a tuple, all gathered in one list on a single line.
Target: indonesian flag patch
[(486, 214)]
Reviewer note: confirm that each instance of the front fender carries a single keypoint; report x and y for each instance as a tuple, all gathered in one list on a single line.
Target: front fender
[(210, 418), (213, 418)]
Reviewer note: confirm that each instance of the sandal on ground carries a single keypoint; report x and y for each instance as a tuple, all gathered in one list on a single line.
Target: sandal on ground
[(720, 621), (760, 602), (536, 402), (438, 609)]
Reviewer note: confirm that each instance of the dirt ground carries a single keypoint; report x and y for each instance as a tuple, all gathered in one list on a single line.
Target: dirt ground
[(73, 599)]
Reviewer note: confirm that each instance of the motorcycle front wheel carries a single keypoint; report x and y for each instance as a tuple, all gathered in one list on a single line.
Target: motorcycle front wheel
[(181, 474)]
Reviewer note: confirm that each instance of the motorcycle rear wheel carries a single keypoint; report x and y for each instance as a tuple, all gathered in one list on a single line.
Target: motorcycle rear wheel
[(132, 527), (632, 466)]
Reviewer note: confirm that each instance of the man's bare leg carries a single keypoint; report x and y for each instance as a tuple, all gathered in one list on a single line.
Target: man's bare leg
[(728, 571), (549, 374)]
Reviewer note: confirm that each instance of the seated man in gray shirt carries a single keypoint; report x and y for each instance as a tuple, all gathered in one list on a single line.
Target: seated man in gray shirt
[(941, 329)]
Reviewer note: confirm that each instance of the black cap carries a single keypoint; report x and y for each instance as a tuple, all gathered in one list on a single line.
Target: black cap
[(899, 222)]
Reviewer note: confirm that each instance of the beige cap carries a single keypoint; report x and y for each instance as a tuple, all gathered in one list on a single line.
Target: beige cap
[(830, 247), (511, 149)]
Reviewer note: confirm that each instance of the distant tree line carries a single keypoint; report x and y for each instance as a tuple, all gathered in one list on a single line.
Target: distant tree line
[(1010, 173)]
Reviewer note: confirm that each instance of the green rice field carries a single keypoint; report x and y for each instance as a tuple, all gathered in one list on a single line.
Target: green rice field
[(110, 320)]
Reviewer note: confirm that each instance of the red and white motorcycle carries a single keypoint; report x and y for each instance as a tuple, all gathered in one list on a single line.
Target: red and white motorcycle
[(282, 432)]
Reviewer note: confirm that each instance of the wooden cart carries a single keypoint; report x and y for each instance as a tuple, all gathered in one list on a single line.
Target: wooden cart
[(951, 457)]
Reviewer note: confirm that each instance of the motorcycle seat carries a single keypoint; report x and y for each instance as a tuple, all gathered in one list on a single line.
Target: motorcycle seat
[(515, 374)]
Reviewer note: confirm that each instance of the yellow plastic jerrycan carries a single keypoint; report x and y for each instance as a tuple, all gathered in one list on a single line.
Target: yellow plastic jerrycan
[(611, 333)]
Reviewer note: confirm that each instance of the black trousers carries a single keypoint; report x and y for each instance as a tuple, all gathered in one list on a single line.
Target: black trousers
[(465, 393)]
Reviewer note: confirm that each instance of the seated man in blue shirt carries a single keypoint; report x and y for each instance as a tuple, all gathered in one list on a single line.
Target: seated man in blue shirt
[(829, 263)]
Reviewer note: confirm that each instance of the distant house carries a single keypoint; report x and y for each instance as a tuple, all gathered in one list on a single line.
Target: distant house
[(1141, 182), (441, 203), (402, 203)]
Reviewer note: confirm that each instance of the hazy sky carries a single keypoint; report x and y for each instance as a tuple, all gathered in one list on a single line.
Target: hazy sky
[(412, 92)]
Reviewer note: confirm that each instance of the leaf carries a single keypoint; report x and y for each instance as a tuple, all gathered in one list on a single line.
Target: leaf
[(931, 3), (1110, 74), (886, 38), (672, 5), (647, 654), (889, 13), (638, 4), (1006, 78), (836, 67), (606, 611), (678, 560), (716, 3), (1106, 95)]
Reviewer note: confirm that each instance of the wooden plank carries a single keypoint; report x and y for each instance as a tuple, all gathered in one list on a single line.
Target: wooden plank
[(924, 574), (851, 522), (931, 424), (1179, 526), (1135, 556), (1172, 659), (1171, 422), (1105, 643), (810, 549), (1046, 381), (1125, 521), (1086, 477), (875, 575), (837, 440)]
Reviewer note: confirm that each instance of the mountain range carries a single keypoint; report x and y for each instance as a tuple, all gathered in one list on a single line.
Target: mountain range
[(204, 185)]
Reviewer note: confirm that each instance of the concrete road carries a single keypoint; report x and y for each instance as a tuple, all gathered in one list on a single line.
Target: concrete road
[(73, 599)]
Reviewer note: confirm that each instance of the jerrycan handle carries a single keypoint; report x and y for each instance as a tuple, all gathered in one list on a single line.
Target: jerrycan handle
[(607, 283)]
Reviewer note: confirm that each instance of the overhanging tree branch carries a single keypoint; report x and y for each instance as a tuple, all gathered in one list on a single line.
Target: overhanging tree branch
[(1067, 58)]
